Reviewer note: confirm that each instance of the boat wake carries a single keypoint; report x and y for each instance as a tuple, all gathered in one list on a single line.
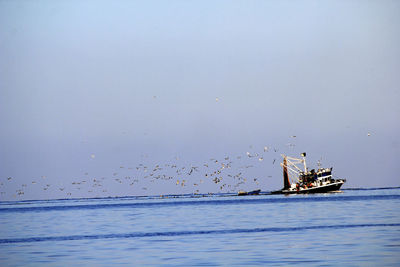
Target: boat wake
[(198, 202), (187, 233)]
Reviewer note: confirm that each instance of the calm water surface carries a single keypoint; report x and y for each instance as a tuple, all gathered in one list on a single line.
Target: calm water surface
[(352, 228)]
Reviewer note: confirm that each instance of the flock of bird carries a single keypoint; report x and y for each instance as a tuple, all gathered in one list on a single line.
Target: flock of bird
[(228, 174), (225, 175)]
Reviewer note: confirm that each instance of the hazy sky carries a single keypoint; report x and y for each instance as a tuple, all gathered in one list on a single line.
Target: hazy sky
[(88, 87)]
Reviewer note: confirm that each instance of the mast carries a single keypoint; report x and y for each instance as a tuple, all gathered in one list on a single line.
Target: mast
[(286, 182), (304, 161)]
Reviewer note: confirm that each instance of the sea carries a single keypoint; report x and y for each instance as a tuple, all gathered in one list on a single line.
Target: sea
[(354, 227)]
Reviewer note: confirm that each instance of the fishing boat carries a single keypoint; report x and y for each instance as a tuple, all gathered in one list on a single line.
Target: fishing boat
[(306, 181)]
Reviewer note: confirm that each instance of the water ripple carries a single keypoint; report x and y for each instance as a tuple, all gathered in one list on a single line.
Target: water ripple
[(236, 201), (185, 233)]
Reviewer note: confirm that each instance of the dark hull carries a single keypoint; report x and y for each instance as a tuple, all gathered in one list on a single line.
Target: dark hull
[(319, 189), (255, 192)]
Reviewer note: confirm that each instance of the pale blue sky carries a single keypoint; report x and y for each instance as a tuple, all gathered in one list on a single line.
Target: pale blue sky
[(136, 82)]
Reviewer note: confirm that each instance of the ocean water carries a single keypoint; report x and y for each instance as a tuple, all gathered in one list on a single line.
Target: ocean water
[(351, 228)]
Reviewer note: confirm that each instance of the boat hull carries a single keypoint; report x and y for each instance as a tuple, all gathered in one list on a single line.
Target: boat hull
[(255, 192), (318, 189)]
